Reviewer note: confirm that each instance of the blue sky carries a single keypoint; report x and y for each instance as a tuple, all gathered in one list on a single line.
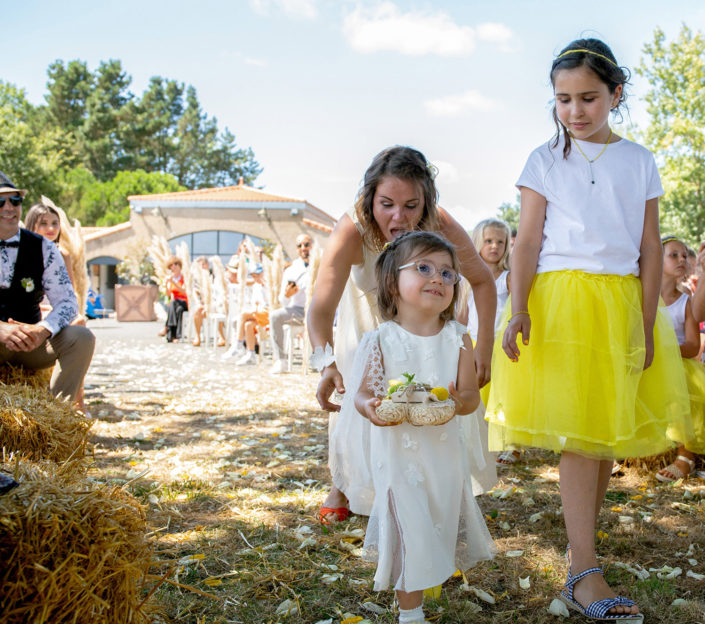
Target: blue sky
[(318, 87)]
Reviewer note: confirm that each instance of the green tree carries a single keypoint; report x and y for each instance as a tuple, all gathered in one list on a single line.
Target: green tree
[(676, 130), (32, 159), (105, 203), (509, 213)]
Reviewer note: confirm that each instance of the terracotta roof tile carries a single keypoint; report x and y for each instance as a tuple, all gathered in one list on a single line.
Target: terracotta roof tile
[(239, 192)]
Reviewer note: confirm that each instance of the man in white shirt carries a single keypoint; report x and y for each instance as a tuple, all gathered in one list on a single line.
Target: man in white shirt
[(293, 300), (31, 266)]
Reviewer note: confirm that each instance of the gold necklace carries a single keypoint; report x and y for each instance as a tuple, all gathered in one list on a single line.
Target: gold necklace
[(592, 175)]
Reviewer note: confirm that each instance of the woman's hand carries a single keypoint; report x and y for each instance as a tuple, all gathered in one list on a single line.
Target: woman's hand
[(483, 362), (331, 380), (519, 323)]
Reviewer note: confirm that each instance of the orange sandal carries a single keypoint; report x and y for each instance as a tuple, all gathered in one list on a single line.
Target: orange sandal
[(342, 513)]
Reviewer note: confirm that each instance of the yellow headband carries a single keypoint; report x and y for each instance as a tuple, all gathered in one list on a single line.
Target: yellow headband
[(602, 56), (671, 239)]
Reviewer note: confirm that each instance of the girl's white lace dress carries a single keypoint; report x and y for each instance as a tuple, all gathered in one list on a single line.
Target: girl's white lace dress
[(425, 522)]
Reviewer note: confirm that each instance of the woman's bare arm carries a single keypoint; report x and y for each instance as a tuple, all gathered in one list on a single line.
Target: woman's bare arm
[(343, 250), (483, 288)]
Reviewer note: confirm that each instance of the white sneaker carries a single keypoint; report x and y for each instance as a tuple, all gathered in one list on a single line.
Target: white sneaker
[(280, 366), (235, 350), (247, 359)]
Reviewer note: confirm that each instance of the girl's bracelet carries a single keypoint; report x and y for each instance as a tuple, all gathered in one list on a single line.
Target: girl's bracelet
[(518, 313)]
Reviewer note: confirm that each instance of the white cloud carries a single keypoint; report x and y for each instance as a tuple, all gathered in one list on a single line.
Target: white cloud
[(452, 105), (447, 172), (305, 9), (494, 32), (256, 62), (385, 27)]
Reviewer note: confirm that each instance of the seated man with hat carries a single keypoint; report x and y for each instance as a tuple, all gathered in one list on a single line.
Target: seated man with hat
[(31, 266)]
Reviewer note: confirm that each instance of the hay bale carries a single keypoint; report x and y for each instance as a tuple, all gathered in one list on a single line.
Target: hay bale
[(72, 551), (19, 375), (37, 426)]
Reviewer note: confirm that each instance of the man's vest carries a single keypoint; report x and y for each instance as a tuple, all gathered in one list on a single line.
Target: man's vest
[(21, 300)]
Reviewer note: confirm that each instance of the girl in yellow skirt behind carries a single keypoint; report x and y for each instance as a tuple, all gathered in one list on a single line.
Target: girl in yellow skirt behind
[(597, 376), (679, 306)]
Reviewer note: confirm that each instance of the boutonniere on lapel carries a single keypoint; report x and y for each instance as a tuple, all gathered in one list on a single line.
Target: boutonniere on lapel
[(27, 284)]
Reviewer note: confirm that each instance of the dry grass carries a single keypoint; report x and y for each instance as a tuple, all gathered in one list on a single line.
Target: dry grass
[(18, 375), (37, 426), (237, 471), (71, 551)]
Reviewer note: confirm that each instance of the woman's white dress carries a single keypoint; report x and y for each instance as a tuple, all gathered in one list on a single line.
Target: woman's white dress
[(425, 522), (348, 431)]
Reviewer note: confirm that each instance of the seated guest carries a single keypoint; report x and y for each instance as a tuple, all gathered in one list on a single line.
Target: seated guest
[(255, 314), (30, 267), (178, 303), (293, 300)]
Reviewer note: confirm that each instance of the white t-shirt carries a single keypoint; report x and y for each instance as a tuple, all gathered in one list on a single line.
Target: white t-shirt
[(595, 228), (297, 272)]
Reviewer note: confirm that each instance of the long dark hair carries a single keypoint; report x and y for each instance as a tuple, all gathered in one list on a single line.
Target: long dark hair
[(401, 162), (597, 56)]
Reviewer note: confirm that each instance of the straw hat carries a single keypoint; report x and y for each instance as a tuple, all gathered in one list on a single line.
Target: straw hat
[(6, 186), (233, 263)]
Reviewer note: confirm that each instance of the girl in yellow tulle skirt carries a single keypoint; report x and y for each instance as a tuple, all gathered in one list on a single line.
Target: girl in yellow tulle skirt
[(587, 365), (675, 255)]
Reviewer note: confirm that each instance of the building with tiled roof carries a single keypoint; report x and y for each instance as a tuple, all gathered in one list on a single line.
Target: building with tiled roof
[(210, 221)]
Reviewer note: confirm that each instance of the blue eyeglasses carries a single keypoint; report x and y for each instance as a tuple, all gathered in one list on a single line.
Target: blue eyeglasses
[(428, 270)]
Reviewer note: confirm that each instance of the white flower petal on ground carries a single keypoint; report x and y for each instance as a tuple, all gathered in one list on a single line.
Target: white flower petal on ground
[(329, 579), (637, 571), (360, 533), (524, 583), (558, 608), (679, 602), (535, 517), (288, 607), (695, 575), (328, 621), (693, 562), (514, 553), (374, 608), (473, 607), (482, 595), (309, 541), (625, 519)]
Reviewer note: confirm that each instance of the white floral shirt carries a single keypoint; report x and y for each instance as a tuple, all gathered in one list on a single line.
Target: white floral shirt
[(55, 282)]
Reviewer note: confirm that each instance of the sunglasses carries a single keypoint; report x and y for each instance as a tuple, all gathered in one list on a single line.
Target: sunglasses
[(305, 245), (15, 200)]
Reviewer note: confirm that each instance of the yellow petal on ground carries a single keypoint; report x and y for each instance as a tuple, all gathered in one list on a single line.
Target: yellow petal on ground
[(602, 535), (441, 393), (353, 619), (213, 582)]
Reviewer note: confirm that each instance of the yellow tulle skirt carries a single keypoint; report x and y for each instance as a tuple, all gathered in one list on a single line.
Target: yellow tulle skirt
[(695, 378), (579, 385)]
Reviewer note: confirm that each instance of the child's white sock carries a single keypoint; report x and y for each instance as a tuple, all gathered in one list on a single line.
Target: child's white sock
[(411, 616)]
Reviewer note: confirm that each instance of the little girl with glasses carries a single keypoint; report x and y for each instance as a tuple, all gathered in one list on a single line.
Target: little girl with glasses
[(425, 523)]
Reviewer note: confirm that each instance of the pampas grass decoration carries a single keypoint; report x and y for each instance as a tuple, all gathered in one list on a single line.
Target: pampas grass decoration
[(242, 278), (220, 286), (183, 254), (461, 303), (160, 253), (314, 265), (72, 551), (277, 274), (37, 426), (269, 278)]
